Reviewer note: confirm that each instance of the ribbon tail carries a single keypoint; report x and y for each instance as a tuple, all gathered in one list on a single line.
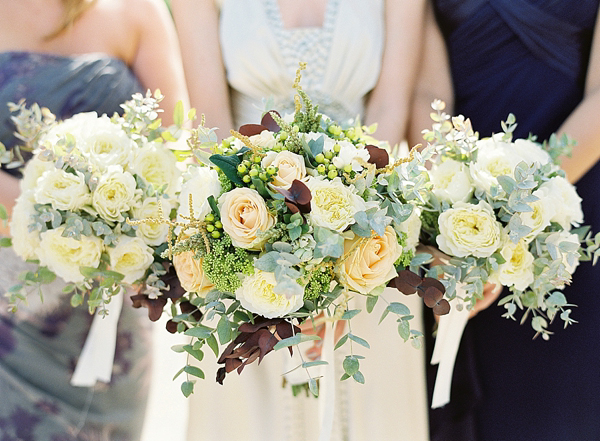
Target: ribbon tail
[(97, 356), (327, 387), (450, 331)]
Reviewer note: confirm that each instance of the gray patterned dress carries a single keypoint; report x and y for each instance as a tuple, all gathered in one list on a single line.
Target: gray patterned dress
[(40, 344)]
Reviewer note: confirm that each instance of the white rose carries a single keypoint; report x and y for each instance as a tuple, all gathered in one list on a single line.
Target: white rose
[(451, 181), (494, 158), (77, 126), (24, 242), (157, 165), (517, 271), (566, 201), (201, 182), (64, 191), (264, 139), (130, 257), (256, 295), (244, 214), (531, 152), (350, 154), (543, 210), (105, 143), (65, 255), (469, 230), (115, 194), (290, 167), (412, 228), (564, 236), (153, 234), (33, 170), (333, 204)]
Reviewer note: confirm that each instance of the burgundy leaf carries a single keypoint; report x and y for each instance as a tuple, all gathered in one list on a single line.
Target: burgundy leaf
[(442, 307), (430, 281), (231, 364), (155, 306), (175, 290), (284, 330), (187, 308), (221, 372), (171, 326), (259, 322), (228, 350), (432, 296), (266, 343), (268, 121), (378, 156), (299, 195), (252, 129)]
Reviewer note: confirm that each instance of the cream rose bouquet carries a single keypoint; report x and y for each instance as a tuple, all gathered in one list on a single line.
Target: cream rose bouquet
[(502, 211), (282, 225), (91, 176)]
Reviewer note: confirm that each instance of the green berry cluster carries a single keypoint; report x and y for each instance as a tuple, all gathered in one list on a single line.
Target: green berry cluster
[(224, 262), (214, 227), (336, 132), (325, 166), (251, 168), (318, 283)]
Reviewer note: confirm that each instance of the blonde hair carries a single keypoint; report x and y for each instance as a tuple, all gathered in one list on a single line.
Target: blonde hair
[(72, 10)]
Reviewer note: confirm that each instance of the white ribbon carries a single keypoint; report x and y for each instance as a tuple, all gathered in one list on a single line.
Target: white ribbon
[(450, 330), (327, 386), (98, 353)]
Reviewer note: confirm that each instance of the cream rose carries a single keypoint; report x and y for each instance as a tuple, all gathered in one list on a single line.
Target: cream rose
[(494, 158), (152, 234), (65, 255), (517, 271), (531, 152), (191, 275), (469, 230), (244, 214), (130, 257), (24, 242), (451, 181), (64, 191), (543, 210), (157, 165), (565, 200), (564, 236), (370, 262), (290, 167), (34, 169), (115, 194), (257, 295), (200, 182), (333, 204)]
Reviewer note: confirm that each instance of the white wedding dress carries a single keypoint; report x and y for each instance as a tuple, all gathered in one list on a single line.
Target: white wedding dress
[(344, 58)]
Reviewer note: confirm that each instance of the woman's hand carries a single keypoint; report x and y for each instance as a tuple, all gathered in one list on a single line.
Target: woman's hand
[(318, 327)]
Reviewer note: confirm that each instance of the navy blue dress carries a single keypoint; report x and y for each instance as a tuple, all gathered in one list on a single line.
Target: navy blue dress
[(528, 57)]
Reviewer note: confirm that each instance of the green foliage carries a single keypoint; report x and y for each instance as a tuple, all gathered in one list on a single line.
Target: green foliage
[(223, 263), (319, 281)]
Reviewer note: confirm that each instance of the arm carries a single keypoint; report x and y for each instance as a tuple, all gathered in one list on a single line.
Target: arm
[(389, 101), (198, 28), (157, 61), (10, 191), (434, 80), (582, 124)]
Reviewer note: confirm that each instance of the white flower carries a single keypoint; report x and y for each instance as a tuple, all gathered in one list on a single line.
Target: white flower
[(469, 230), (65, 191), (33, 170), (65, 255), (494, 158), (264, 139), (451, 181), (350, 155), (333, 204), (24, 242), (153, 234), (157, 165), (115, 194), (565, 200), (77, 126), (543, 210), (517, 271), (256, 295), (531, 152), (412, 228), (564, 236), (201, 183), (328, 142), (291, 167), (130, 257)]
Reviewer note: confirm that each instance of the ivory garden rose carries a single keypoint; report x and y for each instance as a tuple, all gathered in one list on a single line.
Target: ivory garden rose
[(333, 204), (257, 295), (200, 183), (451, 181), (517, 271), (115, 194), (190, 273), (63, 190), (290, 168), (157, 166), (130, 257)]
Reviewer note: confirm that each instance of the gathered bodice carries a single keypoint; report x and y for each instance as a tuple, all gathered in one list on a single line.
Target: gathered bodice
[(534, 50), (261, 57), (65, 84)]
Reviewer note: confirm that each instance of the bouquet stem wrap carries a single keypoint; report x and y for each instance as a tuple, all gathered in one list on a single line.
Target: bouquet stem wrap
[(98, 353), (327, 389), (450, 331)]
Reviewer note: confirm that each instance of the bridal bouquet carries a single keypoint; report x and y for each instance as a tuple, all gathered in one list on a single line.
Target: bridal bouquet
[(281, 225), (90, 175), (502, 211)]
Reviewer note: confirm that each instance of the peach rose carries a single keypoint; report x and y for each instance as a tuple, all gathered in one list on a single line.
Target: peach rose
[(291, 166), (190, 273), (244, 214), (371, 262)]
